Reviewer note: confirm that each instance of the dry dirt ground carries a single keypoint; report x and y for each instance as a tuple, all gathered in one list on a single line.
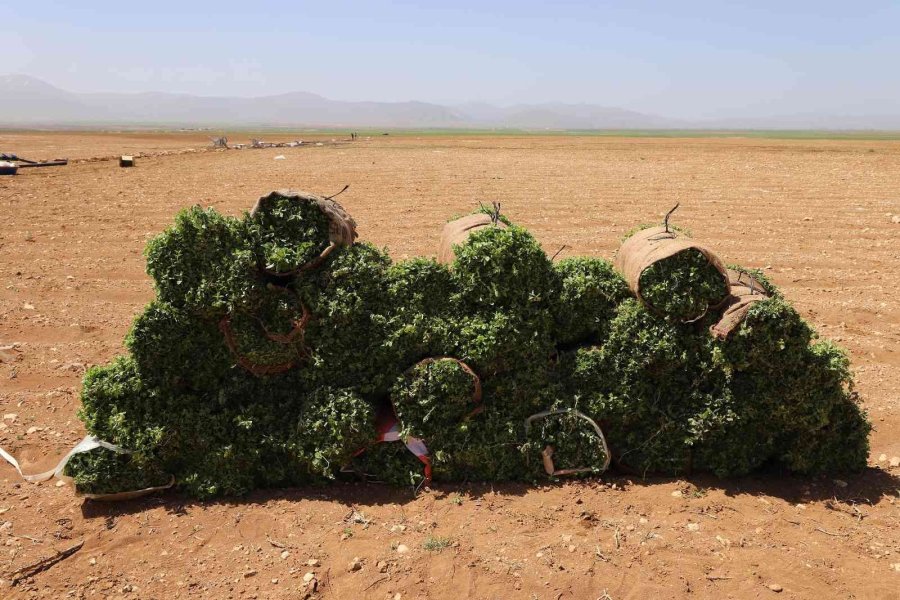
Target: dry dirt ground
[(819, 216)]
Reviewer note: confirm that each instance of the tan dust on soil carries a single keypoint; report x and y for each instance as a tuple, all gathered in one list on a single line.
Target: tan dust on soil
[(817, 215)]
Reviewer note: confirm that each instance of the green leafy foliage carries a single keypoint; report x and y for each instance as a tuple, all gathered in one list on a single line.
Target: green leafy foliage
[(352, 330), (420, 297), (250, 432), (333, 426), (117, 405), (433, 397), (589, 291), (420, 286), (351, 318), (103, 471), (683, 286), (173, 348), (390, 462), (271, 334), (773, 336), (655, 388), (287, 232), (486, 448), (502, 269), (840, 445), (436, 544), (202, 263), (572, 442), (500, 342)]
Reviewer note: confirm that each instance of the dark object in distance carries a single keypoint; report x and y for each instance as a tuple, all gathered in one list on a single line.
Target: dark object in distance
[(126, 161), (60, 162), (24, 162)]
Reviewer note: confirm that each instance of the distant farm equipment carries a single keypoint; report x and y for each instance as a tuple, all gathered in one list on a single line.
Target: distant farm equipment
[(257, 143), (10, 163)]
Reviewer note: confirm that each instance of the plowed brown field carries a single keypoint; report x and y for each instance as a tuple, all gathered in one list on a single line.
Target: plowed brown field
[(820, 216)]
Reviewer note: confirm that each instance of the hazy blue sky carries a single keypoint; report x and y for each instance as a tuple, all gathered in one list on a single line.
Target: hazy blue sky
[(682, 59)]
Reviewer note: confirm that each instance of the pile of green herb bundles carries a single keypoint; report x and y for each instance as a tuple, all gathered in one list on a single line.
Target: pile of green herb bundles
[(280, 351)]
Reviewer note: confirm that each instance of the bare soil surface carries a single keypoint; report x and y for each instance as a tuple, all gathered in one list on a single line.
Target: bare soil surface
[(822, 217)]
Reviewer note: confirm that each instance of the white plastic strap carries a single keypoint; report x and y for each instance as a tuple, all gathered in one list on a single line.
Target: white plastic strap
[(89, 443), (86, 445), (415, 445)]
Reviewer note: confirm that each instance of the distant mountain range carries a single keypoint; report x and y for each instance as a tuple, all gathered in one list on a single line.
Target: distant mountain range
[(27, 101)]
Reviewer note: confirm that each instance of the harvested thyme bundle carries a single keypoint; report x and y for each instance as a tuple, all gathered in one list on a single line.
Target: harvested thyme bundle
[(564, 443), (286, 234), (274, 337), (434, 396), (675, 277), (683, 286)]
